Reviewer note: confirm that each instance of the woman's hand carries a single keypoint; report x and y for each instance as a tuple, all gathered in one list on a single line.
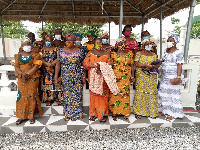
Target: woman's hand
[(92, 66), (175, 81), (48, 69), (83, 81), (148, 67), (56, 81), (24, 76), (98, 69)]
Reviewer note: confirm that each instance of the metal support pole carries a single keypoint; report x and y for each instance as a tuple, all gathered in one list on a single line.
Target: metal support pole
[(2, 37), (142, 24), (161, 19), (188, 33), (109, 30), (42, 24), (121, 18)]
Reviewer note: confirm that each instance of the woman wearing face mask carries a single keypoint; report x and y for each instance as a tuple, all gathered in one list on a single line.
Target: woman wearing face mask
[(169, 95), (145, 101), (49, 59), (105, 43), (59, 40), (98, 103), (131, 44), (70, 60), (27, 65), (91, 37), (78, 40), (146, 35)]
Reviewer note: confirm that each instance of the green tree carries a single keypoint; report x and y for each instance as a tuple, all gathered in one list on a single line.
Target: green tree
[(177, 29), (195, 31), (13, 29), (69, 27)]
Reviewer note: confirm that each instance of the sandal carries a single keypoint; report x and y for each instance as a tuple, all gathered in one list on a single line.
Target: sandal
[(137, 116), (114, 117), (32, 121), (169, 118), (19, 121), (48, 103), (73, 119), (58, 103), (67, 118), (160, 114), (126, 117), (103, 120), (92, 118)]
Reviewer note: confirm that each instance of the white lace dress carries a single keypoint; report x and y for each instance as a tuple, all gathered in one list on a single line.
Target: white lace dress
[(169, 96)]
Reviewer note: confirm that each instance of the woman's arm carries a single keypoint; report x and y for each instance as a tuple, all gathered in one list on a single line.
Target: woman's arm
[(140, 65), (57, 69), (18, 71), (33, 70)]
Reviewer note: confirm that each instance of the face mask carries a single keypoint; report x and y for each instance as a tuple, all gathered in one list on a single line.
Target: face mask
[(146, 37), (48, 43), (127, 33), (27, 48), (58, 37), (97, 46), (104, 41), (148, 47), (68, 45), (170, 44), (78, 42)]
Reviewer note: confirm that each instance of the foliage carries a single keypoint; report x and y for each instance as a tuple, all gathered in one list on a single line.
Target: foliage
[(74, 28), (13, 29)]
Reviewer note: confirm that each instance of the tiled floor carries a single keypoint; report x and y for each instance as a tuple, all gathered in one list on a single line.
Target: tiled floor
[(52, 120)]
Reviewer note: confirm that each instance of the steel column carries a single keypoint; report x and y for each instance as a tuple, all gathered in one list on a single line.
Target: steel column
[(161, 19), (2, 37), (109, 30), (121, 18)]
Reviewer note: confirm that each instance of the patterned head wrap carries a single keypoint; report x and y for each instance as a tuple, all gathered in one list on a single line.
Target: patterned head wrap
[(70, 35), (79, 36), (175, 37), (25, 39), (144, 41), (104, 34), (91, 32)]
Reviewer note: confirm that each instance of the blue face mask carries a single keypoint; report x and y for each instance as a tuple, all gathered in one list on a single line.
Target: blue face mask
[(47, 43), (148, 47), (104, 41), (146, 37), (78, 42)]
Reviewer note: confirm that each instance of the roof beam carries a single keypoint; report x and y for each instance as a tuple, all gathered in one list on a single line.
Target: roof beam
[(149, 7), (73, 8), (44, 7), (158, 2), (133, 6), (4, 2), (102, 8), (159, 7), (138, 3), (8, 6)]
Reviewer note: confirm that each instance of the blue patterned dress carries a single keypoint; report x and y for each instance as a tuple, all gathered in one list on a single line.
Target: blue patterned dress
[(72, 74)]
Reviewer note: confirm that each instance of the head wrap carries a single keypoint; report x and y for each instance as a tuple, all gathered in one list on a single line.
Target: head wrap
[(104, 34), (144, 41), (70, 35), (175, 37), (59, 30), (25, 39), (79, 36), (91, 32)]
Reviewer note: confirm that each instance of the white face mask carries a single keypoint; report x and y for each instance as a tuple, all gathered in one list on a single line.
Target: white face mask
[(170, 44), (27, 48), (58, 37)]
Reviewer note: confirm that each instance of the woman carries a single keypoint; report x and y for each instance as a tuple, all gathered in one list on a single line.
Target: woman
[(70, 59), (123, 68), (49, 59), (98, 103), (78, 40), (58, 41), (145, 102), (90, 44), (130, 43), (146, 35), (169, 95), (105, 43), (27, 66)]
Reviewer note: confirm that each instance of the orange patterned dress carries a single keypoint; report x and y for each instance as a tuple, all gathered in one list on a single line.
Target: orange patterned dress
[(27, 98), (120, 104), (98, 103)]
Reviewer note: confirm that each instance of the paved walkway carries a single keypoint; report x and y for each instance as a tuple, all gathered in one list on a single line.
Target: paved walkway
[(52, 120)]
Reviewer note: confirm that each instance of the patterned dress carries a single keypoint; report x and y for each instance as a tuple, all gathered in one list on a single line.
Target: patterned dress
[(145, 101), (98, 103), (72, 74), (120, 103), (50, 91), (169, 96), (27, 98)]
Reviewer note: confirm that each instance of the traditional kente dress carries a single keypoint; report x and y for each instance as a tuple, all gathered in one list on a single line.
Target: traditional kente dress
[(120, 104), (27, 98), (145, 101), (169, 96), (129, 46), (50, 91), (98, 103), (72, 73), (89, 46)]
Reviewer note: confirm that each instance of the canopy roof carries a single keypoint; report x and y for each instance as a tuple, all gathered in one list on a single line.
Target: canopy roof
[(88, 11)]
